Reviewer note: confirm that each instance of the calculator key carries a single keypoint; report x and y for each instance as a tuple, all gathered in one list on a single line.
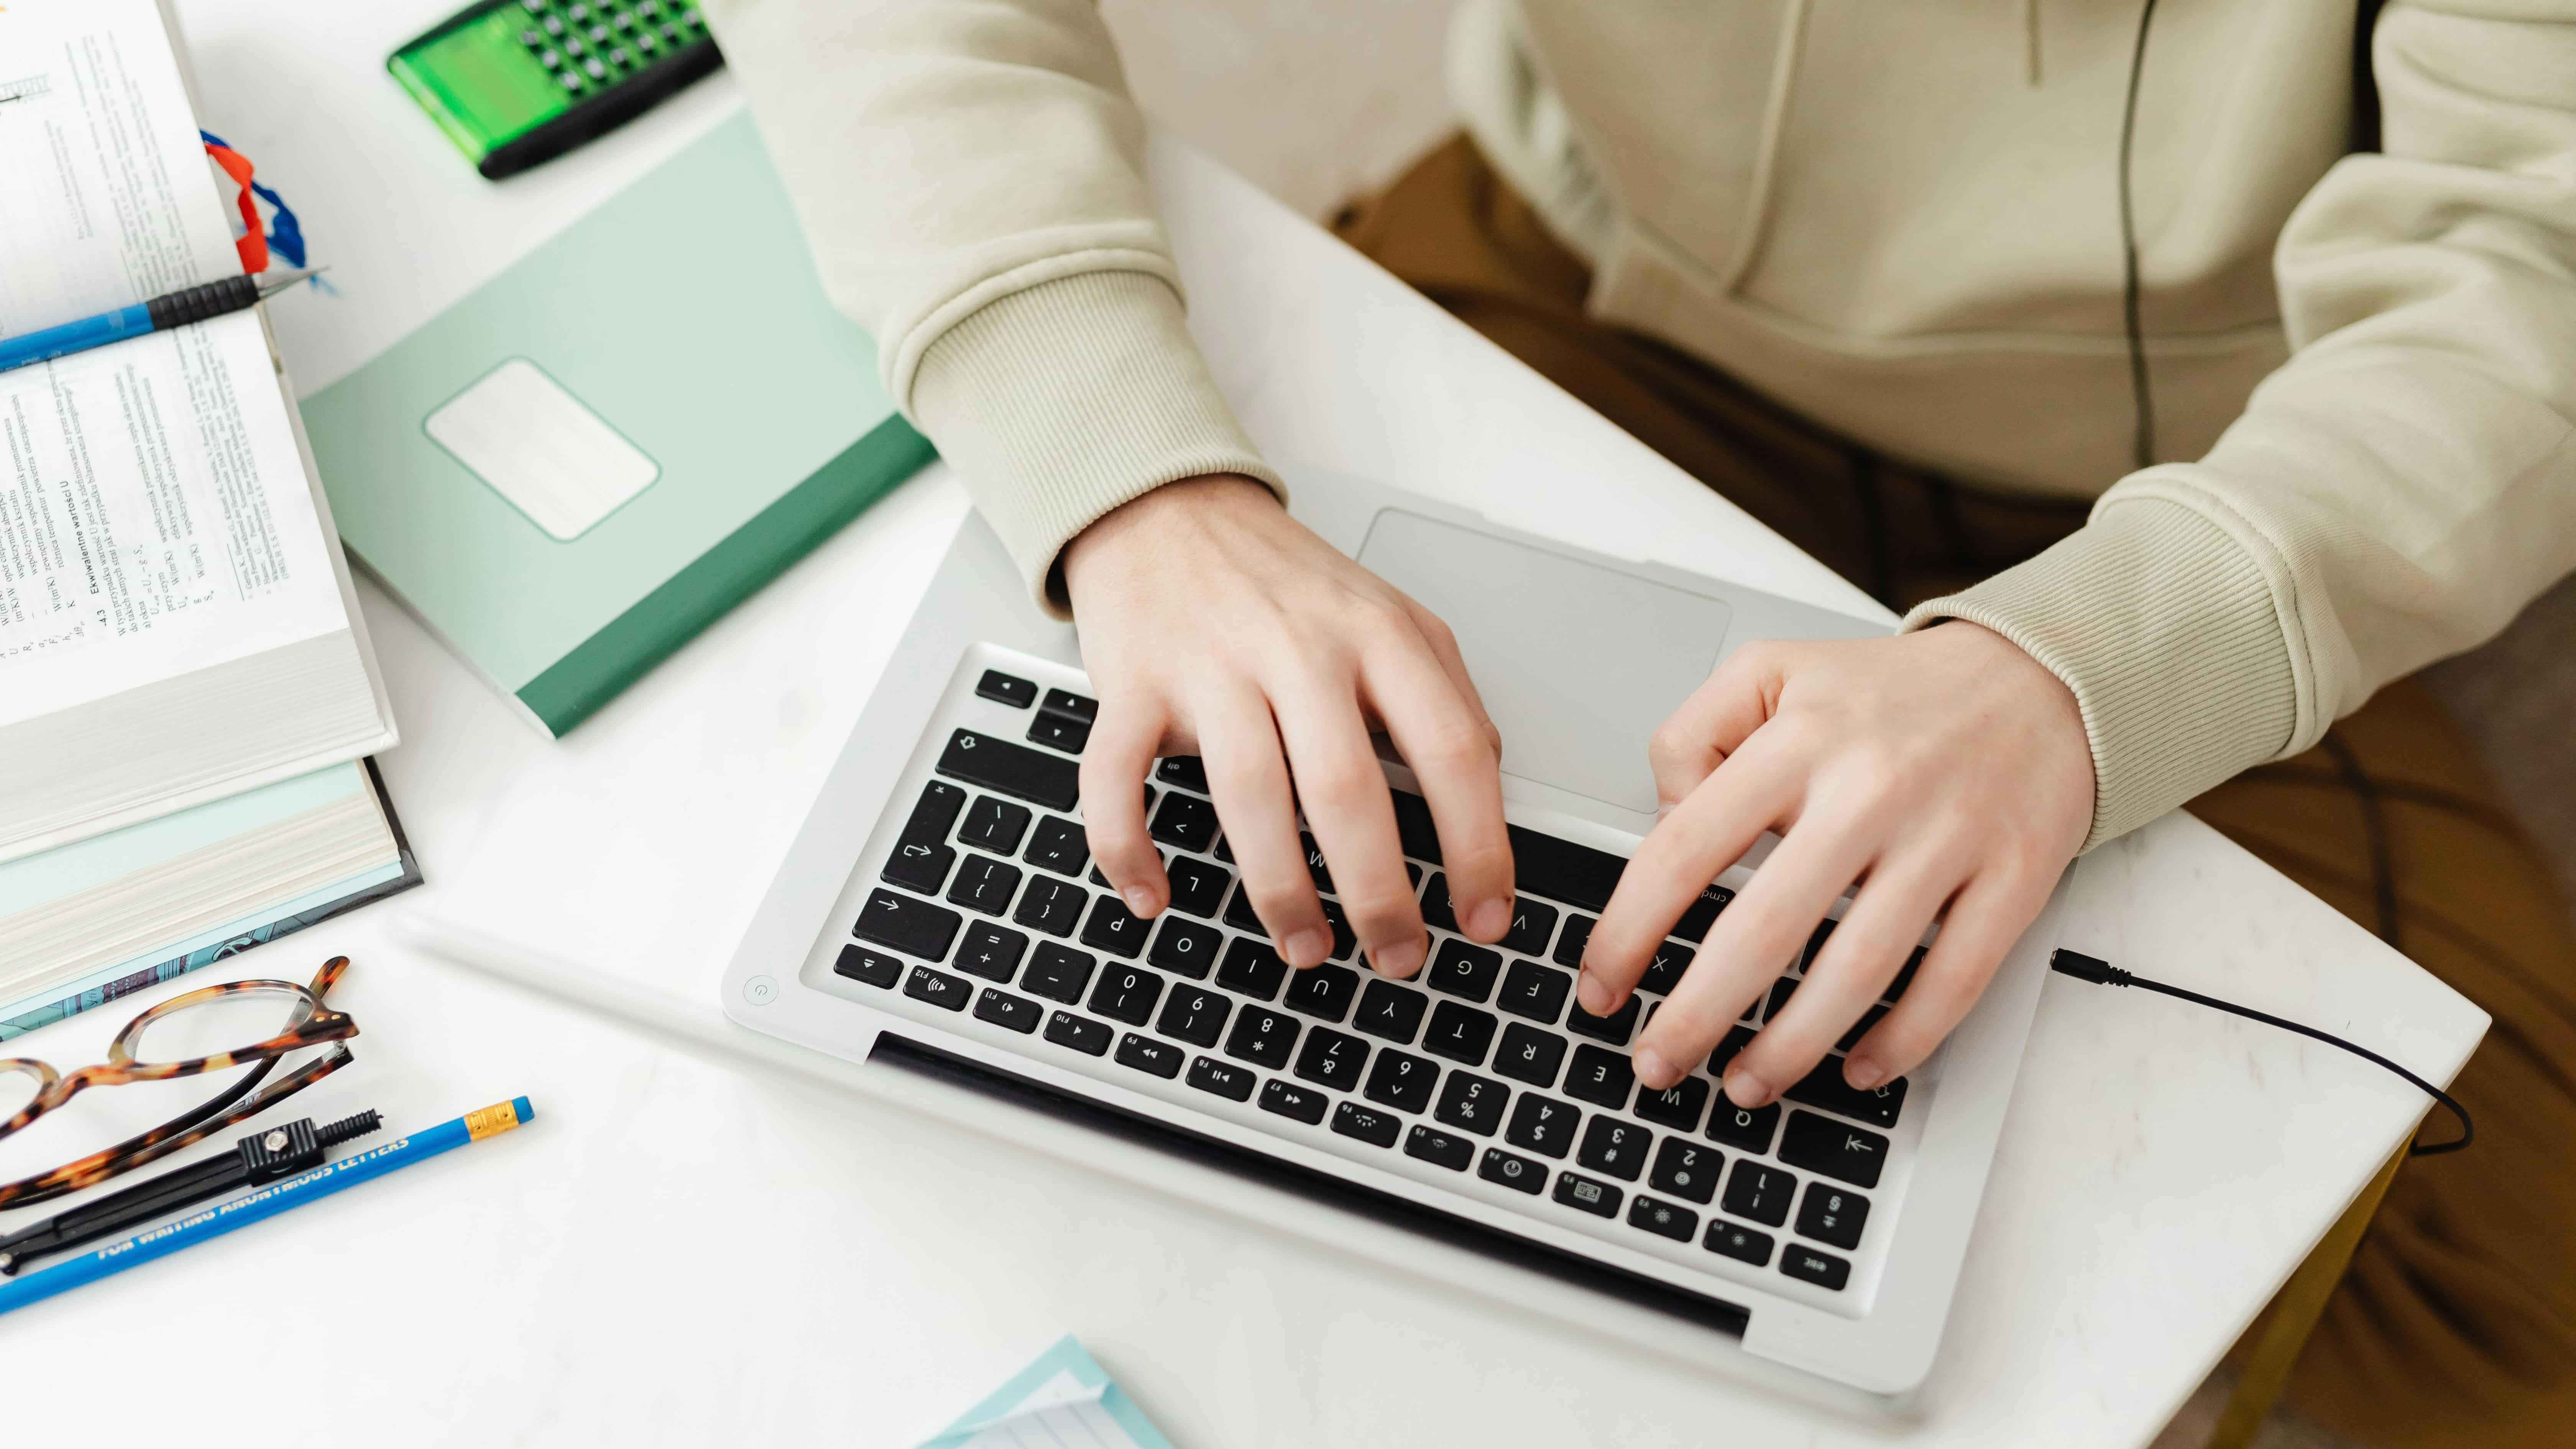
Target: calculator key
[(1702, 913), (1460, 1033), (1078, 1032), (1059, 733), (994, 825), (1598, 1198), (984, 884), (1849, 1154), (1614, 1028), (1071, 705), (1542, 1125), (1289, 1100), (1059, 846), (1615, 1147), (1513, 1172), (1532, 923), (1677, 1106), (1686, 1169), (1050, 905), (1126, 994), (1332, 1059), (1445, 1148), (1822, 1269), (1148, 1055), (1733, 1240), (1391, 1011), (991, 951), (1003, 1009), (1747, 1129), (1663, 973), (1185, 948), (1530, 1055), (1824, 1087), (1193, 1014), (1464, 970), (916, 928), (1831, 1214), (937, 987), (1602, 1078), (1186, 771), (1402, 1081), (1197, 887), (1059, 972), (1323, 991), (1368, 1124), (1760, 1193), (1436, 909), (1186, 821), (1223, 1078), (873, 967), (1570, 943), (1009, 689), (1472, 1103), (1262, 1036), (1113, 928), (1536, 992), (1666, 1219)]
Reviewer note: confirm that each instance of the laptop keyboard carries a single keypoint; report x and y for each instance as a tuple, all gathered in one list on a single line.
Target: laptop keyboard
[(985, 917)]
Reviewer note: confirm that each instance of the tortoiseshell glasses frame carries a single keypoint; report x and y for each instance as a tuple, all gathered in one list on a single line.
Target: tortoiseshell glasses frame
[(309, 1024)]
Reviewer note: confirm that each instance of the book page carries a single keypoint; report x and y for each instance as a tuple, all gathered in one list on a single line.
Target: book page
[(154, 513)]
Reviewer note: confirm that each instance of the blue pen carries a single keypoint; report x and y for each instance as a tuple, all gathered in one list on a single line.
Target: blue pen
[(178, 309), (269, 1201)]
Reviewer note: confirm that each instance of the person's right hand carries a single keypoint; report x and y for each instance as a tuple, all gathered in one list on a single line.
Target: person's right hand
[(1215, 625)]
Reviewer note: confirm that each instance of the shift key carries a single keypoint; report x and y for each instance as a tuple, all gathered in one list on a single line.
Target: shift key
[(1016, 770)]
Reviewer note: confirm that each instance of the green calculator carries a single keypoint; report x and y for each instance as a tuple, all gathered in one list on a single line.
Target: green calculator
[(516, 82)]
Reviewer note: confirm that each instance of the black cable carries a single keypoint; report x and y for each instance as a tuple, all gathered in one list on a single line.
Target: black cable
[(2103, 973), (2138, 391)]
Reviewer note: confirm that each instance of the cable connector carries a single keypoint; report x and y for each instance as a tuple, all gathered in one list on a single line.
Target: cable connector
[(2088, 968)]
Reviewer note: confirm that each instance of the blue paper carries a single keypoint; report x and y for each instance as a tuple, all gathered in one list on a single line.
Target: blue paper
[(1062, 1400)]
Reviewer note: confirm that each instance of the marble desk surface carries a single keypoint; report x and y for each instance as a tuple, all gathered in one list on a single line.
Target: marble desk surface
[(690, 1247)]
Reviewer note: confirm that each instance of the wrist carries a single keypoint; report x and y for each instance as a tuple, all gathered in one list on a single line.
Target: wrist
[(1158, 517)]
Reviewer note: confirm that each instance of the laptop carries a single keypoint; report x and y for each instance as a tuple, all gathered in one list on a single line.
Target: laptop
[(938, 915)]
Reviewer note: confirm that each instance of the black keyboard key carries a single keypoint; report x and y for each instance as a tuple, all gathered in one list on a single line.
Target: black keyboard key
[(1344, 939), (1747, 1129), (1057, 732), (991, 952), (1701, 913), (1078, 1032), (1368, 1124), (1003, 1009), (1071, 705), (1816, 943), (938, 988), (1413, 827), (1194, 1014), (935, 813), (1601, 1078), (872, 967), (1186, 821), (1252, 968), (1316, 869), (1833, 1215), (1895, 991), (1824, 1087), (916, 928), (1223, 1078), (984, 884), (1848, 1154), (1332, 1059), (1686, 1169), (1015, 770), (1240, 915), (1597, 1198), (1561, 870), (1822, 1269), (1059, 973), (1323, 992), (1148, 1055), (1663, 973), (1614, 1028), (918, 865), (1292, 1101), (1009, 689), (1391, 1011), (994, 825), (1570, 942), (1445, 1148), (1741, 1243), (1402, 1081), (1126, 994), (1781, 991), (1460, 1033), (1512, 1172), (1185, 948), (1464, 970), (1050, 905), (1262, 1036), (1113, 928), (1860, 1028), (1532, 923), (1058, 845), (1530, 1055), (1759, 1192), (1665, 1219), (1197, 887), (1615, 1147), (1473, 1104), (1436, 909), (1677, 1106), (1536, 992), (1737, 1039), (1543, 1125), (1186, 771)]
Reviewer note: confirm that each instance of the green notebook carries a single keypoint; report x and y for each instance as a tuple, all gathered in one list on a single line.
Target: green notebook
[(571, 472)]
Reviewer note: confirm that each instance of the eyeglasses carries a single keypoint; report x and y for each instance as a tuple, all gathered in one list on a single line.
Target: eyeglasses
[(254, 1024)]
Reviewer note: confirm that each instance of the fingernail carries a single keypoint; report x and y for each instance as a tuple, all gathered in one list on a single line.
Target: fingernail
[(1307, 947), (1401, 959), (1591, 994), (1746, 1089), (1140, 901), (1653, 1070), (1489, 920), (1863, 1073)]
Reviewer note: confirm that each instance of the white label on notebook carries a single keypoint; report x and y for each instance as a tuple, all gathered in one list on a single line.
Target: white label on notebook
[(553, 458)]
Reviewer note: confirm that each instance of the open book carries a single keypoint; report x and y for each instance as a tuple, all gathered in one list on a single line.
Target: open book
[(176, 621)]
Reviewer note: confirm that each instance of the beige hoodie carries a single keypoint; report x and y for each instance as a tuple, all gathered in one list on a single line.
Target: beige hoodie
[(1901, 219)]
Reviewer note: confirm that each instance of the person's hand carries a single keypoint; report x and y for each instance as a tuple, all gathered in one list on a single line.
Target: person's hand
[(1213, 624), (1946, 771)]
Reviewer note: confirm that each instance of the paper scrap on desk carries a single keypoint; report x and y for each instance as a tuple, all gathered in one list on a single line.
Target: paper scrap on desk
[(1062, 1400)]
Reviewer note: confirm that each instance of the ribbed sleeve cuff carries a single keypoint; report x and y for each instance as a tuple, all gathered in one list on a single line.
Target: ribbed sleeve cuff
[(2166, 630), (1058, 403)]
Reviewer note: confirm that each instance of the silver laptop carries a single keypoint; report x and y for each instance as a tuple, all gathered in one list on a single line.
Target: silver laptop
[(939, 915)]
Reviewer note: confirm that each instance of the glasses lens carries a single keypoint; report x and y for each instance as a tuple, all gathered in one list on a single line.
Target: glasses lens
[(17, 1089), (230, 1022)]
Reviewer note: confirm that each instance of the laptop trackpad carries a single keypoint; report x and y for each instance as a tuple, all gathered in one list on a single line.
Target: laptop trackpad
[(1577, 662)]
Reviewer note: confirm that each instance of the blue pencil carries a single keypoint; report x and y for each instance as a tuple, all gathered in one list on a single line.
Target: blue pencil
[(269, 1201), (177, 309)]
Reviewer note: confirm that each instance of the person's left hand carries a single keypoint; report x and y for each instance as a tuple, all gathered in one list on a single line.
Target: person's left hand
[(1946, 771)]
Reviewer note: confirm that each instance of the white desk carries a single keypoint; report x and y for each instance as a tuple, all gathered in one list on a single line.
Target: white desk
[(686, 1252)]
